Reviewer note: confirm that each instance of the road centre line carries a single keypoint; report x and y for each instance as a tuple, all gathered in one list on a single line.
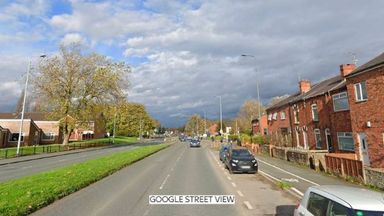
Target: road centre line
[(229, 178), (309, 181), (240, 194), (165, 180), (233, 184), (248, 205)]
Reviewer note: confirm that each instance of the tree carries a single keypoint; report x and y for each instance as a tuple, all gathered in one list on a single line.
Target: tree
[(194, 125), (75, 82), (248, 111)]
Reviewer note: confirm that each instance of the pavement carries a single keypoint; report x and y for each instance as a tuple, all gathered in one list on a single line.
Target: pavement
[(177, 170), (14, 168), (298, 176)]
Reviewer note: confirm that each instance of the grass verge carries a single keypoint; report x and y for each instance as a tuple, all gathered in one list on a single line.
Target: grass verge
[(284, 185), (27, 194), (31, 150)]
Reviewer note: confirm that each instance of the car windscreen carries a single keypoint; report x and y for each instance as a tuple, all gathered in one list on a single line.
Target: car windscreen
[(240, 153)]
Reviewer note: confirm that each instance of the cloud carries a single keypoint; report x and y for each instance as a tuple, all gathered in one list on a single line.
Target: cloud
[(73, 38), (190, 51)]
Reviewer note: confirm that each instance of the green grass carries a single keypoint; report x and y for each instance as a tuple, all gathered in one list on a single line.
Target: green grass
[(30, 150), (284, 185), (27, 194)]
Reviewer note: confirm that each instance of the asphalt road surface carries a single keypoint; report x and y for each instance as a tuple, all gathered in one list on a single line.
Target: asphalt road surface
[(25, 168), (177, 170)]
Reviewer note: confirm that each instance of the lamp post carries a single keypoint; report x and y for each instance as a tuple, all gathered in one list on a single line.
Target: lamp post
[(258, 93), (23, 108), (221, 117), (114, 128)]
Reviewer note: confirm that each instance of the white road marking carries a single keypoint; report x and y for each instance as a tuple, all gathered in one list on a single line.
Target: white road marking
[(165, 180), (289, 179), (26, 167), (229, 178), (276, 179), (62, 160), (299, 177), (297, 191), (248, 205), (233, 184), (240, 194)]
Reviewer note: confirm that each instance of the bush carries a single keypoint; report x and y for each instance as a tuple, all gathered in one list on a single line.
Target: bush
[(258, 139), (245, 138), (233, 137)]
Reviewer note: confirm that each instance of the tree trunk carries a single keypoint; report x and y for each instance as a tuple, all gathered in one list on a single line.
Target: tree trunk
[(66, 138)]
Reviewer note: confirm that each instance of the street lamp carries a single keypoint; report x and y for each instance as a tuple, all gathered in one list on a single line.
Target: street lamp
[(23, 108), (221, 117), (258, 92)]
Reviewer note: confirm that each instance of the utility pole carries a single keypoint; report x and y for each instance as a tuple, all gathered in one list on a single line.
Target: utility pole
[(205, 122), (114, 128)]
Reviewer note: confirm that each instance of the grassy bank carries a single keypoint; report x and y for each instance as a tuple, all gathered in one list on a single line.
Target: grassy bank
[(31, 150), (27, 194)]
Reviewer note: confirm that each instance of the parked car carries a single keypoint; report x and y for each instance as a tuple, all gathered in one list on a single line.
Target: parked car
[(223, 150), (194, 143), (240, 160), (329, 200)]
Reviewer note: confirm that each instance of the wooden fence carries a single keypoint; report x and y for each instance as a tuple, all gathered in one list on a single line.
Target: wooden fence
[(343, 166)]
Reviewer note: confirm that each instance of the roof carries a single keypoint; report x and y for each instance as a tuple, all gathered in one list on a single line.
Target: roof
[(358, 198), (321, 88), (36, 116), (371, 64)]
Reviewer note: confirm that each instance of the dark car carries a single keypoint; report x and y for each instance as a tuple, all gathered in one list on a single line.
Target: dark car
[(223, 150), (240, 160), (194, 143)]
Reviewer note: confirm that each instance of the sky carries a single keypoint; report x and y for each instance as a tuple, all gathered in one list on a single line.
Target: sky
[(186, 53)]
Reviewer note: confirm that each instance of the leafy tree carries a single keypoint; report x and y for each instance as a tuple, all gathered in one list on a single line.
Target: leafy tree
[(194, 125), (76, 81), (248, 111)]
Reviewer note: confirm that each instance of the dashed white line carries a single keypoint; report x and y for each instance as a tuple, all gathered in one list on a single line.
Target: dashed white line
[(240, 194), (278, 180), (314, 183), (165, 180), (229, 178), (248, 205), (233, 184)]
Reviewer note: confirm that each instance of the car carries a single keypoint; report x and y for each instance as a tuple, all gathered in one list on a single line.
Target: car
[(223, 150), (328, 200), (240, 160), (194, 143)]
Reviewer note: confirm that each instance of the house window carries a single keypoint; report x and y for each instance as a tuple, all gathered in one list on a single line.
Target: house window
[(361, 91), (340, 102), (270, 117), (318, 138), (315, 112), (14, 137), (265, 131), (345, 141), (274, 116), (48, 136), (282, 115), (296, 116)]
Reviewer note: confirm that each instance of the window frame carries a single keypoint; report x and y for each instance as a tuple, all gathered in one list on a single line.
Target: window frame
[(296, 116), (317, 141), (359, 91), (282, 115), (313, 113), (49, 139), (274, 117), (340, 96), (22, 137), (344, 135)]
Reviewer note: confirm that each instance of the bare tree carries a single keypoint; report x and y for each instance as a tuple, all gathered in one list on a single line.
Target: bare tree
[(75, 81)]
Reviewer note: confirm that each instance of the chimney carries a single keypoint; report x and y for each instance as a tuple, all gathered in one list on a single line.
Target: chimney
[(346, 69), (304, 86)]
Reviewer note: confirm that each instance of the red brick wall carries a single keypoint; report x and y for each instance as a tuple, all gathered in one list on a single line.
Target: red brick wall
[(274, 126), (263, 124), (370, 110)]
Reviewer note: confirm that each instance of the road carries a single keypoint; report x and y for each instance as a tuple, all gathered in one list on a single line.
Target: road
[(25, 168), (177, 170)]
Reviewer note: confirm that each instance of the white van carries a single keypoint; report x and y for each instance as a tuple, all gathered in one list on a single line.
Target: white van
[(339, 200)]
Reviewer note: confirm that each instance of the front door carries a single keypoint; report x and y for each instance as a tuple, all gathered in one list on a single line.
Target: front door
[(364, 149), (305, 139), (328, 140)]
